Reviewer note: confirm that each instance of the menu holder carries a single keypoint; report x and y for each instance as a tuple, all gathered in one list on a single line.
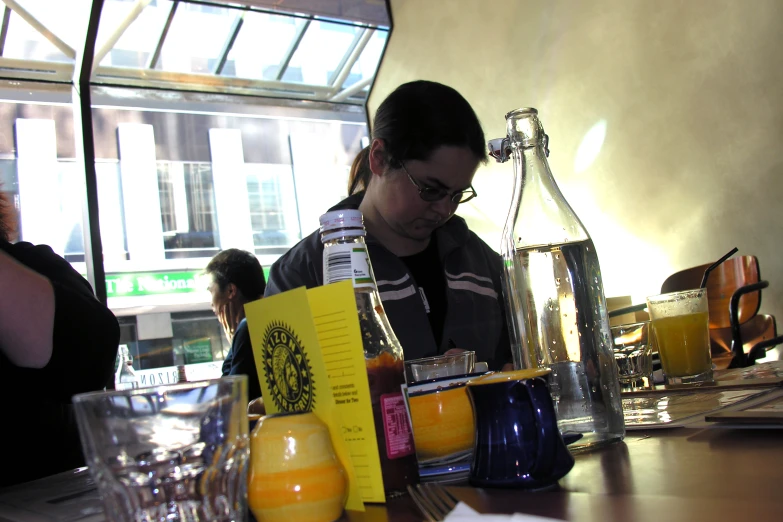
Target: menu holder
[(769, 413), (64, 497), (656, 410), (310, 357), (765, 375)]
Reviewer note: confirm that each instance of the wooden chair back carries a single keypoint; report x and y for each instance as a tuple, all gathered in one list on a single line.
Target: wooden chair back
[(722, 283), (760, 328)]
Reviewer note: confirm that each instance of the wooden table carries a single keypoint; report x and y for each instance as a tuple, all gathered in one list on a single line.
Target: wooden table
[(717, 474)]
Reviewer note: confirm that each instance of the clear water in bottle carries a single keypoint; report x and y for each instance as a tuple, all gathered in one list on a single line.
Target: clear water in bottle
[(567, 329)]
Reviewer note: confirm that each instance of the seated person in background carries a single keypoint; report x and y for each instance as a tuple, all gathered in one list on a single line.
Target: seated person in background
[(440, 284), (56, 340), (237, 278)]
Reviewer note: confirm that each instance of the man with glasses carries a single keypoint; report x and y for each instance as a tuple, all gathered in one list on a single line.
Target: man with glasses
[(440, 284)]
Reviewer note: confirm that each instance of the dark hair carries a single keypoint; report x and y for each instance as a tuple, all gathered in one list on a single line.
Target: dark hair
[(241, 268), (7, 217), (413, 121)]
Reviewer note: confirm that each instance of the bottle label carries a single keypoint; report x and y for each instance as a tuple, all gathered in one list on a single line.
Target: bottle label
[(348, 261), (399, 438)]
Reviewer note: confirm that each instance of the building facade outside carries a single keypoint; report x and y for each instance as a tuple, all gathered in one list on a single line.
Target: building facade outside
[(182, 175)]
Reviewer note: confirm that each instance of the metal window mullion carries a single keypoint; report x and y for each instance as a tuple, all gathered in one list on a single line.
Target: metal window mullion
[(4, 31), (115, 36), (229, 44), (367, 115), (353, 89), (292, 49), (66, 49), (356, 38), (348, 65), (153, 61), (93, 247), (151, 77)]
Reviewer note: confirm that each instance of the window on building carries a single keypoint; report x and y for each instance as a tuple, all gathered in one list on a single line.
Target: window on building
[(273, 209), (187, 204)]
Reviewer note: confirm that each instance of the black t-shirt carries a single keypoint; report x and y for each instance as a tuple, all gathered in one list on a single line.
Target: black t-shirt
[(39, 432), (241, 361), (426, 269)]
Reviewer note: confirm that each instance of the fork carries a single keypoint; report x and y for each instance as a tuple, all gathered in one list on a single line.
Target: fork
[(434, 501)]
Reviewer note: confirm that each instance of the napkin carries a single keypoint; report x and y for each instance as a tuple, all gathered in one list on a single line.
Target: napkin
[(465, 513)]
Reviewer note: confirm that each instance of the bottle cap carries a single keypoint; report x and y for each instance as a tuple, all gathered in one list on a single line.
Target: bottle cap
[(342, 223)]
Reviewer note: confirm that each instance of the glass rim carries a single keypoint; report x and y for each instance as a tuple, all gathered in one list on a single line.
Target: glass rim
[(702, 292), (630, 325), (521, 112), (157, 389), (425, 360)]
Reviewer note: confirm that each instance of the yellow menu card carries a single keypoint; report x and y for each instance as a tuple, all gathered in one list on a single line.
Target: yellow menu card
[(309, 357), (334, 312)]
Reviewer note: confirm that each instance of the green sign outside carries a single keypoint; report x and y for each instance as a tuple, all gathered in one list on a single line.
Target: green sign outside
[(198, 351), (158, 283), (155, 283)]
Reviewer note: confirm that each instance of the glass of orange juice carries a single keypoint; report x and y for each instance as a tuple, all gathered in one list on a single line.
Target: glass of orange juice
[(680, 321)]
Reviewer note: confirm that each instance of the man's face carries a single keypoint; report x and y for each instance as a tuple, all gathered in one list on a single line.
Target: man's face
[(219, 297), (449, 168)]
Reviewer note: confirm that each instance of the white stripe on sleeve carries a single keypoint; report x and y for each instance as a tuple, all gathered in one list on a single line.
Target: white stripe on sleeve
[(472, 287)]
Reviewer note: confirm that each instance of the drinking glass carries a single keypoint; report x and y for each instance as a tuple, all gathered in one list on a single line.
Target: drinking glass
[(176, 453), (632, 345), (680, 322), (439, 366)]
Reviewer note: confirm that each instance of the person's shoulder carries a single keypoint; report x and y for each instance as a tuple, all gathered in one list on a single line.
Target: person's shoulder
[(242, 334), (45, 261), (300, 266), (488, 250), (242, 328), (301, 252), (23, 250), (458, 231), (311, 246)]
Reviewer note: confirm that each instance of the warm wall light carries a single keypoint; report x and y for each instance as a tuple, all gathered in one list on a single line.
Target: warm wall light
[(590, 147)]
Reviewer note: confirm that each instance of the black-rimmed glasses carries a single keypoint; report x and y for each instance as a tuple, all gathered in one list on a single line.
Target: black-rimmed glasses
[(432, 194)]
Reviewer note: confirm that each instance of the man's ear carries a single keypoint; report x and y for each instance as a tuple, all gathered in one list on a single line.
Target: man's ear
[(232, 291), (378, 162)]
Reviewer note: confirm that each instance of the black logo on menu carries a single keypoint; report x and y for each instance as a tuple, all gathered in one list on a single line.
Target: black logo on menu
[(288, 372)]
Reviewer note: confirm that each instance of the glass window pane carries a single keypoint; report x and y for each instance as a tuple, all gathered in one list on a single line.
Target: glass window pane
[(198, 338), (10, 187), (139, 40), (320, 52), (261, 45), (273, 208), (112, 220), (25, 43), (367, 64), (129, 338), (50, 190), (187, 204), (71, 189), (196, 37), (67, 20), (155, 353)]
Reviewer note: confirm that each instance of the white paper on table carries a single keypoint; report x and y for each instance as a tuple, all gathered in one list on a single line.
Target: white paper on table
[(465, 513)]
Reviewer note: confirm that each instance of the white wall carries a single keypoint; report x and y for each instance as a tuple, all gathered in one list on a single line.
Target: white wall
[(691, 94)]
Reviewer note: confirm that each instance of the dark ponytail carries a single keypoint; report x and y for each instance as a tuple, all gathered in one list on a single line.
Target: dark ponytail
[(360, 174), (415, 120)]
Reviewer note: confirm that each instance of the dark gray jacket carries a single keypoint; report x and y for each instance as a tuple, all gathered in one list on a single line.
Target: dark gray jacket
[(475, 317)]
